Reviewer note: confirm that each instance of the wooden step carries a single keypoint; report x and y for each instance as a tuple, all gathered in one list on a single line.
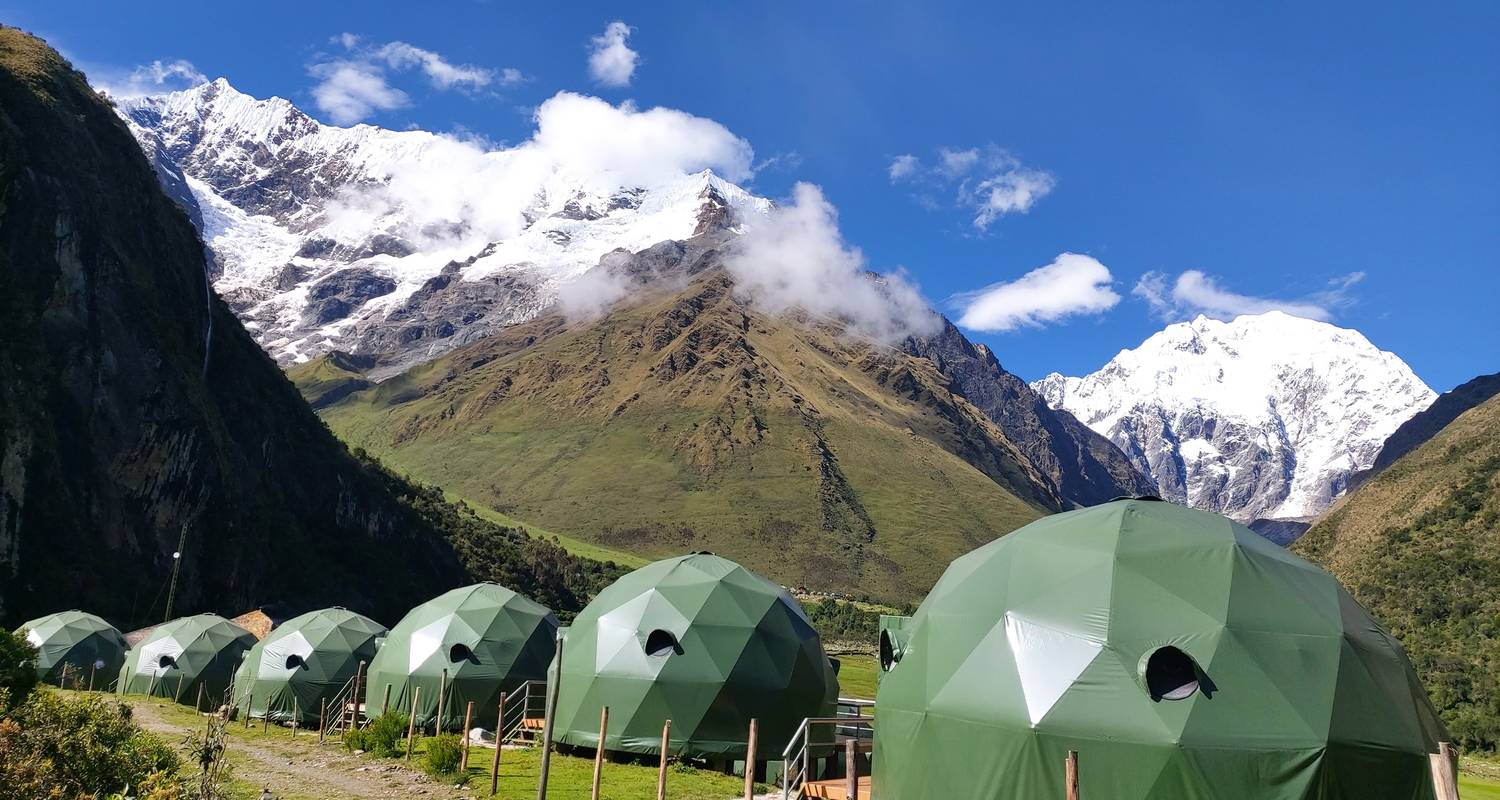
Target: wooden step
[(836, 789)]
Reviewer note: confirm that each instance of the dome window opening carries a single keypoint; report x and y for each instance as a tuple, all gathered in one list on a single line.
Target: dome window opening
[(661, 643), (1171, 674), (294, 661), (460, 652), (888, 655), (166, 662)]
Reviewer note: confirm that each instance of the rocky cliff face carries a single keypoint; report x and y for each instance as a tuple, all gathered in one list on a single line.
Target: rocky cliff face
[(1265, 417), (1080, 465), (136, 412)]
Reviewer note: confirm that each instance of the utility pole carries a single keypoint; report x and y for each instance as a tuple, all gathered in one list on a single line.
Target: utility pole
[(176, 570)]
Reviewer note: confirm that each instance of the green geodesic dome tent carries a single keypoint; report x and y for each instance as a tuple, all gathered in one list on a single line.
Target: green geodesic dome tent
[(178, 656), (486, 638), (85, 647), (703, 641), (302, 663), (1183, 656)]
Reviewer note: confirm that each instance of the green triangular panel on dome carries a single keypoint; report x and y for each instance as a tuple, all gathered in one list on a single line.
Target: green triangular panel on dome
[(485, 637), (698, 640), (179, 656), (303, 662), (77, 645), (1181, 654)]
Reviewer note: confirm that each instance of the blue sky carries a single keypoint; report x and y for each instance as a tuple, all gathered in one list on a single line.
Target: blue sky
[(1343, 160)]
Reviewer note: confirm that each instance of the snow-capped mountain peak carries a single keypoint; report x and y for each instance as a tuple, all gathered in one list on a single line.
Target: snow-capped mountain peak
[(369, 240), (1264, 416)]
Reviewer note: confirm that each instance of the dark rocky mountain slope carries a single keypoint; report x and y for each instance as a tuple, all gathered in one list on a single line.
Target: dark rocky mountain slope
[(135, 409), (1428, 422)]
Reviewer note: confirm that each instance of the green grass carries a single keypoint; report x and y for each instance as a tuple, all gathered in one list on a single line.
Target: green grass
[(1473, 787), (858, 675), (569, 776), (577, 547)]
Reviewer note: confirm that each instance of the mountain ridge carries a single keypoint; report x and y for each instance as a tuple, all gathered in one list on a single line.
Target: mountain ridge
[(320, 242), (776, 441), (1263, 417)]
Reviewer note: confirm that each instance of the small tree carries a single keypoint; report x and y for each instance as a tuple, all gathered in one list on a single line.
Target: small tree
[(17, 669)]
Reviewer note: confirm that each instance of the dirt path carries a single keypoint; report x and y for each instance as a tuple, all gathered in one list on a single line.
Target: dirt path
[(300, 769)]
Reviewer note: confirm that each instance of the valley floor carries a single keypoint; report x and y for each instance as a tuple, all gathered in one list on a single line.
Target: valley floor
[(300, 769)]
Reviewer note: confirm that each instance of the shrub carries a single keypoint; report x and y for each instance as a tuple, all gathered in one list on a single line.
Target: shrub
[(17, 669), (81, 746), (383, 737), (444, 754)]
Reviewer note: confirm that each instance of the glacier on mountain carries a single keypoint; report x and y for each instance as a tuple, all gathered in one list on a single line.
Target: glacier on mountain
[(1262, 417), (371, 240)]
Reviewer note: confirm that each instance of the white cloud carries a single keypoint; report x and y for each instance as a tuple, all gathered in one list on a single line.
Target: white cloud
[(357, 85), (444, 75), (1071, 285), (460, 192), (1194, 292), (637, 146), (156, 77), (1013, 190), (903, 166), (957, 163), (988, 181), (591, 294), (797, 259), (349, 92), (611, 61)]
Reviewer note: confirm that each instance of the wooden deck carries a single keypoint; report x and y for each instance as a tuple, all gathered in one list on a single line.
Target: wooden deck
[(837, 789)]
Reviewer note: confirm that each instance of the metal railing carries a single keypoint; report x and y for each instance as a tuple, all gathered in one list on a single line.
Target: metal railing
[(797, 759), (528, 701)]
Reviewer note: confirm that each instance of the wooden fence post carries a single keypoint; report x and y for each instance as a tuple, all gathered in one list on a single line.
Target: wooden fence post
[(463, 765), (750, 759), (177, 695), (554, 688), (411, 722), (265, 719), (296, 715), (1070, 775), (661, 771), (599, 751), (499, 740), (92, 670), (386, 703), (198, 704), (851, 778), (1444, 783), (437, 727), (249, 707), (322, 719), (359, 679)]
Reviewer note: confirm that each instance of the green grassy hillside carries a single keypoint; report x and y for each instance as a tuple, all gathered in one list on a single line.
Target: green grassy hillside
[(686, 421), (1419, 545)]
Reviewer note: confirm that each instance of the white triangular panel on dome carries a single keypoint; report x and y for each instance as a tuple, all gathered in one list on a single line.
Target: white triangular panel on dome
[(1048, 661)]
